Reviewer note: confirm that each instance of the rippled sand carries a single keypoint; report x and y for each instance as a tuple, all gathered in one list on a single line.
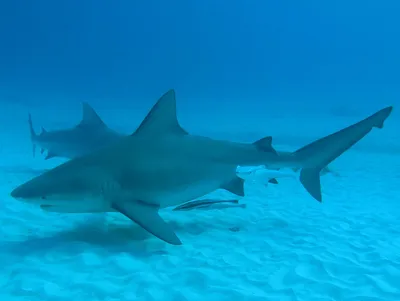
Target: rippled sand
[(283, 246)]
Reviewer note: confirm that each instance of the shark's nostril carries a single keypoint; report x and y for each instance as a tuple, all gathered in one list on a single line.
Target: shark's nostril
[(19, 193), (14, 193)]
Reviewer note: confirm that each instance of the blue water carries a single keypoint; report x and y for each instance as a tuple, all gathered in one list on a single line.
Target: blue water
[(241, 71)]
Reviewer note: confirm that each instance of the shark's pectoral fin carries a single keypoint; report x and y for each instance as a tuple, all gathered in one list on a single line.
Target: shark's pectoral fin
[(148, 218), (235, 186)]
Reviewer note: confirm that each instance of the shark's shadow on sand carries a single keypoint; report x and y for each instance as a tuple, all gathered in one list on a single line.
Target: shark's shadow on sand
[(113, 238), (104, 236)]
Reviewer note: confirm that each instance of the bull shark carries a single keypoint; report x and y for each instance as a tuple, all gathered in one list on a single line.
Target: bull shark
[(90, 134), (162, 165)]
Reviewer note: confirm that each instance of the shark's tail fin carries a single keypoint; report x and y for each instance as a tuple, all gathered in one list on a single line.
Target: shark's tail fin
[(33, 135), (318, 154)]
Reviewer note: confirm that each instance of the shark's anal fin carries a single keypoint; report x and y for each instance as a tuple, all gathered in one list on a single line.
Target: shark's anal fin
[(148, 218), (273, 181), (236, 186), (265, 145)]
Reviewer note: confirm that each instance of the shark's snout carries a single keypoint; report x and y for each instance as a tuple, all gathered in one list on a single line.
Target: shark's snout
[(17, 193), (44, 190), (29, 192), (22, 192)]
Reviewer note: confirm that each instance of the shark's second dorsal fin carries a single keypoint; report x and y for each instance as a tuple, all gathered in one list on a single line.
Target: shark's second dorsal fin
[(162, 118), (265, 145), (90, 117)]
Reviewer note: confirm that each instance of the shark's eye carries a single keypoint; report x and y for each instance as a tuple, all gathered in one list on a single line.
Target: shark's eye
[(43, 198)]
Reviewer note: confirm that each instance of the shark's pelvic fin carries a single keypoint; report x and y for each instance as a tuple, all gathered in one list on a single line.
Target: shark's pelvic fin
[(162, 118), (318, 154), (236, 186), (148, 218), (89, 117), (50, 155), (265, 145)]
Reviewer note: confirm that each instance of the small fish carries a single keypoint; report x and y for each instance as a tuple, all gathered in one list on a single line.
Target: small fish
[(209, 204)]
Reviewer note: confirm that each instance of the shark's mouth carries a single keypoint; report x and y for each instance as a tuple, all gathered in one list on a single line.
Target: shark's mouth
[(45, 206), (71, 208), (58, 208)]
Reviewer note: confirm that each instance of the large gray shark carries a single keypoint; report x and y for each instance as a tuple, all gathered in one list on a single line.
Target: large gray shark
[(89, 135), (162, 165)]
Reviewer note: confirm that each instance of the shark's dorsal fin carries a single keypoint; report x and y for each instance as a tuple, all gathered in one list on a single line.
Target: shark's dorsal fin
[(162, 118), (43, 131), (90, 117)]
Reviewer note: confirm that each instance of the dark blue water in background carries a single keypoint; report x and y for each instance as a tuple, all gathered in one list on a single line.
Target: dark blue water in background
[(261, 51), (257, 59)]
